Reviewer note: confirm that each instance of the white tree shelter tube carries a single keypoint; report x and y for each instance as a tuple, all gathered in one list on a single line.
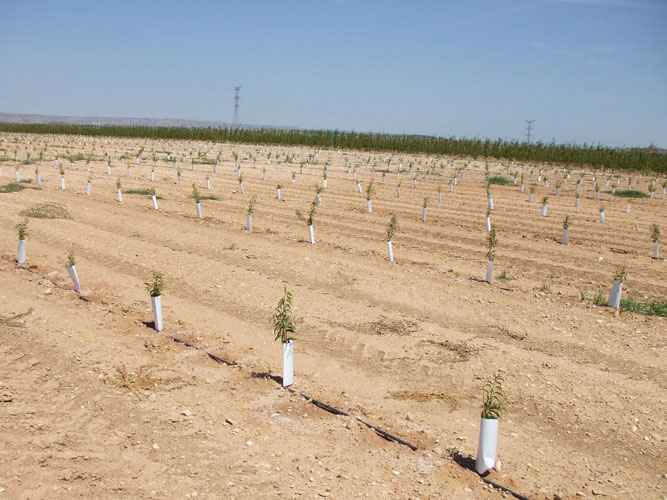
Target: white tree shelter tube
[(74, 277), (288, 363), (156, 302), (615, 295), (489, 272), (21, 259), (488, 444)]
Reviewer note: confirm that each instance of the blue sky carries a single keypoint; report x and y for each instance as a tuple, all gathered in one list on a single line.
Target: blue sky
[(584, 70)]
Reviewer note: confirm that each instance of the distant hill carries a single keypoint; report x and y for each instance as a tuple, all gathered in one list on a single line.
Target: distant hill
[(106, 120), (651, 149)]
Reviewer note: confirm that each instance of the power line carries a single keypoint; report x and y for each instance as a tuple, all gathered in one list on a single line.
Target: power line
[(529, 129), (236, 106)]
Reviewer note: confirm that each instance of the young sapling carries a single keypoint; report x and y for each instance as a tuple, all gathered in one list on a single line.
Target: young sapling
[(309, 220), (154, 288), (70, 266), (617, 288), (197, 197), (492, 241), (655, 236), (22, 230), (284, 327), (493, 405), (370, 191), (566, 230), (392, 228), (318, 191), (251, 210)]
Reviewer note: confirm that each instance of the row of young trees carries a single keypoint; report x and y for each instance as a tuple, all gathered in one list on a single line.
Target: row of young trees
[(591, 155)]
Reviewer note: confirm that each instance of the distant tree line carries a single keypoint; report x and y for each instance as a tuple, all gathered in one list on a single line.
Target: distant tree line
[(591, 155)]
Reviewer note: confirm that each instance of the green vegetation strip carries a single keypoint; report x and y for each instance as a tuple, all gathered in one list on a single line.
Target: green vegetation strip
[(593, 155), (14, 187), (630, 193), (499, 179), (645, 307)]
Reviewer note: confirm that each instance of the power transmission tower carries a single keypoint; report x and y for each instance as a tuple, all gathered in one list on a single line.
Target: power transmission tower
[(529, 129), (236, 106)]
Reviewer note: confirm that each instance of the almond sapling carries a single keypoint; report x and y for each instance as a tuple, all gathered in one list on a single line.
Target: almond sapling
[(62, 178), (153, 196), (154, 289), (70, 266), (241, 184), (488, 220), (208, 182), (89, 184), (398, 190), (617, 288), (440, 193), (601, 215), (370, 191), (309, 220), (531, 196), (284, 326), (566, 230), (120, 192), (178, 175), (545, 206), (492, 408), (392, 228), (22, 230), (655, 237), (492, 241), (424, 209), (38, 177), (318, 190), (577, 197), (251, 210), (197, 197), (278, 188)]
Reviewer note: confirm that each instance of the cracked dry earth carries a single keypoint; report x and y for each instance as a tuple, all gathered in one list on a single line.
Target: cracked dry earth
[(95, 404)]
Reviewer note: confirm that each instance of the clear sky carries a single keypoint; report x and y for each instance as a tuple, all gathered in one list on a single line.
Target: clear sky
[(584, 70)]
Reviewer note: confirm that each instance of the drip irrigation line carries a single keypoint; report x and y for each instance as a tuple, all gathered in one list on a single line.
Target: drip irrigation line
[(319, 404), (210, 355), (57, 285), (388, 436), (507, 490)]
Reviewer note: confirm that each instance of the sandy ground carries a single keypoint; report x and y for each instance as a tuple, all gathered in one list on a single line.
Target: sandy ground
[(94, 403)]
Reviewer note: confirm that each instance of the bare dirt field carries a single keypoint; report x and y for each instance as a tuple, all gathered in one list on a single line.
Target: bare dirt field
[(95, 404)]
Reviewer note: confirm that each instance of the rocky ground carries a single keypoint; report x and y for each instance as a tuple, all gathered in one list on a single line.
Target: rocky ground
[(95, 403)]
